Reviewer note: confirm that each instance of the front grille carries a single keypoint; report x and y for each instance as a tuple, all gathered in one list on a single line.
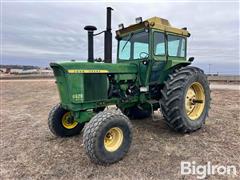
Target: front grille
[(95, 87)]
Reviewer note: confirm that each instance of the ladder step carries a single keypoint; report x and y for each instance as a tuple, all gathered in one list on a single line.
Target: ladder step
[(151, 102)]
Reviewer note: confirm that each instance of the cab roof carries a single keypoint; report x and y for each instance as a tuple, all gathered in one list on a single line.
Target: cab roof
[(154, 23)]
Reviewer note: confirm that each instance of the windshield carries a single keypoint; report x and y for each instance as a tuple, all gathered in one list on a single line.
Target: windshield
[(133, 46)]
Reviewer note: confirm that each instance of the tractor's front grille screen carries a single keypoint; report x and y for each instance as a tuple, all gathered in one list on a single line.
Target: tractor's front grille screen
[(95, 87)]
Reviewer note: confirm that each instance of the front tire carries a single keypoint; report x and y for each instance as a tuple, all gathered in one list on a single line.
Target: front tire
[(185, 100), (107, 137), (62, 124)]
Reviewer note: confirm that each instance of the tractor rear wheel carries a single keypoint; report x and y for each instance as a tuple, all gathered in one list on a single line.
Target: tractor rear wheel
[(185, 99), (107, 137), (62, 124), (136, 113)]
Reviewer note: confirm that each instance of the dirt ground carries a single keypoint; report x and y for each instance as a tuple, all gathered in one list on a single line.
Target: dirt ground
[(30, 151)]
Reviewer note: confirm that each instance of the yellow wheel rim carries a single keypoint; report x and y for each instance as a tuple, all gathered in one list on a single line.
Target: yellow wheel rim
[(195, 101), (113, 139), (67, 122)]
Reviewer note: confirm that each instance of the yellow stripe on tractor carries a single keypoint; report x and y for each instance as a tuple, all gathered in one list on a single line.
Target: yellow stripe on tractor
[(74, 71)]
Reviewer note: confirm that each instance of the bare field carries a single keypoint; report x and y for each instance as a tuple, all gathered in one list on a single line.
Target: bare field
[(30, 151)]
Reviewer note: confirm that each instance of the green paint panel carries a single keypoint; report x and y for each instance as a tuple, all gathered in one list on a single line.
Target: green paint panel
[(125, 77)]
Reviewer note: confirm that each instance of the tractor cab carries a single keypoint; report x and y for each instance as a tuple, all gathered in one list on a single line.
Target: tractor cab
[(154, 45)]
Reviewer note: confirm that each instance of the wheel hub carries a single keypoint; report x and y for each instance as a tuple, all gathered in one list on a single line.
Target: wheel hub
[(68, 121), (113, 139), (195, 101)]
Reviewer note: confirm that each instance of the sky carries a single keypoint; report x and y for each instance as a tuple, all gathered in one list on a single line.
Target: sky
[(39, 32)]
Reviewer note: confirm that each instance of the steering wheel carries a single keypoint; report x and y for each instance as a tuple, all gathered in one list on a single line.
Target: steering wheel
[(143, 55)]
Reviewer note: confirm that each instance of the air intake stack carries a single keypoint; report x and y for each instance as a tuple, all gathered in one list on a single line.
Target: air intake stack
[(90, 30)]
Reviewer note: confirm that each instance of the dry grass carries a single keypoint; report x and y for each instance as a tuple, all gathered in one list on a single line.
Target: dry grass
[(30, 151)]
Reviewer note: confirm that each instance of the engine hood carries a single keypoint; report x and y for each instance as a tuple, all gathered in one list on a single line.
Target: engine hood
[(86, 67)]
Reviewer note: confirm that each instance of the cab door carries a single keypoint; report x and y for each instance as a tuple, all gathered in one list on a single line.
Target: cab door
[(140, 53), (136, 49), (159, 57)]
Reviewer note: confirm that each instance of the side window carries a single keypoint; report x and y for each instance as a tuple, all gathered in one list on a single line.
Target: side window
[(124, 52), (176, 46), (140, 45), (159, 43), (140, 48)]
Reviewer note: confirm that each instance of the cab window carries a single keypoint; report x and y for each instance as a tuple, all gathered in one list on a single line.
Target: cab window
[(176, 46), (159, 43), (140, 50), (124, 52), (134, 46)]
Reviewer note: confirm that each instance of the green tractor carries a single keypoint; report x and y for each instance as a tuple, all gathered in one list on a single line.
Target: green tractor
[(152, 72)]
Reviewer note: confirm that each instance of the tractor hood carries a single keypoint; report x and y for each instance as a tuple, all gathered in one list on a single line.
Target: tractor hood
[(96, 68), (81, 83)]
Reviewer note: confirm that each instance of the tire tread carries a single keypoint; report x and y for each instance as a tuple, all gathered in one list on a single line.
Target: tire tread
[(171, 93)]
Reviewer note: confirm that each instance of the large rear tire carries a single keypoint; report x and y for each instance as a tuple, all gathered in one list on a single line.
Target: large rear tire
[(107, 137), (185, 99), (62, 124)]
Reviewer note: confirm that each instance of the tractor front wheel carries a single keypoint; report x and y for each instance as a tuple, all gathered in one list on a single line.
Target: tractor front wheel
[(185, 100), (107, 137), (61, 122)]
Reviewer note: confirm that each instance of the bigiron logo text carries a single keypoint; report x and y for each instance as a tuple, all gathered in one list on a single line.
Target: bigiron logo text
[(202, 171)]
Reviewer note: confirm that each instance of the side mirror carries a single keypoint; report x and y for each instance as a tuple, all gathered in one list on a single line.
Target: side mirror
[(191, 59)]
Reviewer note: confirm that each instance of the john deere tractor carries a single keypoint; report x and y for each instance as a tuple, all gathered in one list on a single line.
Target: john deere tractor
[(151, 72)]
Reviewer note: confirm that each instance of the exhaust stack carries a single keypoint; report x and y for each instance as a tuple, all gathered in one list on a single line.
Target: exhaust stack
[(90, 30), (108, 38)]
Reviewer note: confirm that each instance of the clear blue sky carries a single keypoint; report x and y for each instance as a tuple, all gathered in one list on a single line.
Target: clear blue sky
[(36, 33)]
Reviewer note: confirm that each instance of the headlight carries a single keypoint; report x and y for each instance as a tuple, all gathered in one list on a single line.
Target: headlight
[(120, 26), (138, 20)]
